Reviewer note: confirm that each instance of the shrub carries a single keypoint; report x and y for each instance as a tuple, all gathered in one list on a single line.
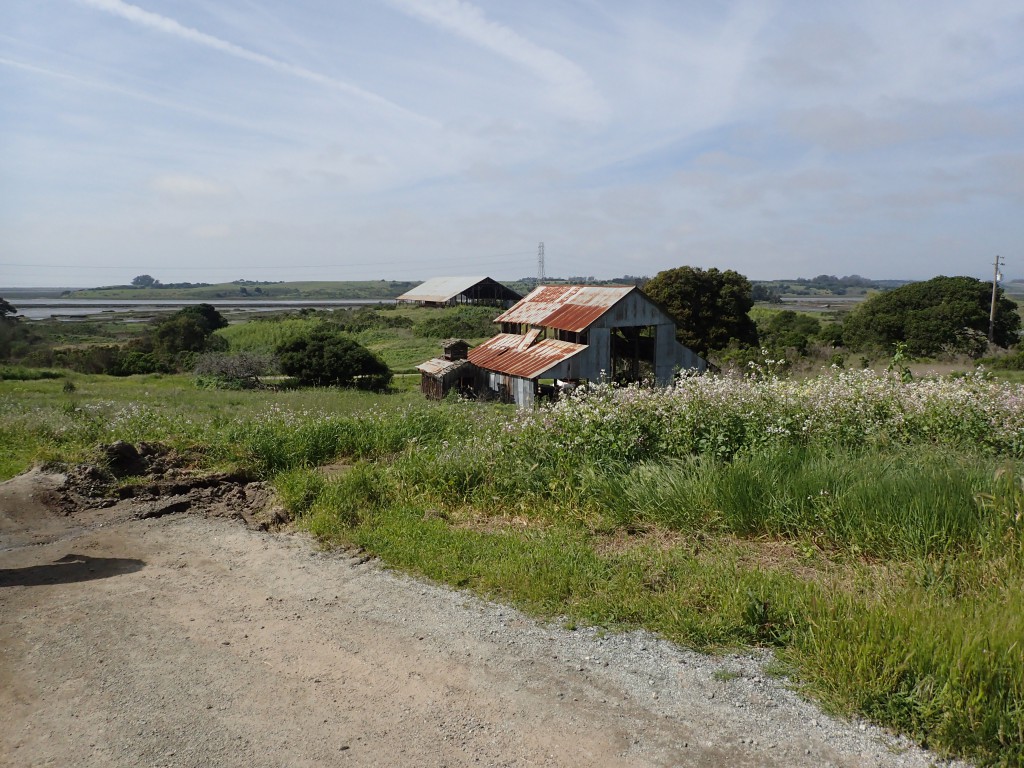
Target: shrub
[(241, 371), (329, 357), (464, 322)]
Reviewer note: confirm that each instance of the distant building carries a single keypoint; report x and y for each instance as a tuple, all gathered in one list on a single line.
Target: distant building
[(450, 291)]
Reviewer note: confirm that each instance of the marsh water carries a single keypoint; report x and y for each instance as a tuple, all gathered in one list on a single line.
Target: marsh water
[(77, 309)]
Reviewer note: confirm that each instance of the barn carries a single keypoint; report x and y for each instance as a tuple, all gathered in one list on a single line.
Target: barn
[(452, 291), (559, 336)]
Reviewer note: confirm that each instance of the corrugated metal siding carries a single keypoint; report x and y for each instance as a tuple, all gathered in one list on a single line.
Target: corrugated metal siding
[(633, 310), (566, 307), (502, 354), (523, 390), (671, 357)]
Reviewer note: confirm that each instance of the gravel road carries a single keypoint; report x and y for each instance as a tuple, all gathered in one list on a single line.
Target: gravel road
[(186, 640)]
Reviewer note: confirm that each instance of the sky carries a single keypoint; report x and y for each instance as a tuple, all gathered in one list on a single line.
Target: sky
[(407, 139)]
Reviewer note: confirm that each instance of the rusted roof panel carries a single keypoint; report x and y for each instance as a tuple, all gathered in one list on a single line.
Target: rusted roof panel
[(438, 366), (566, 307), (502, 355)]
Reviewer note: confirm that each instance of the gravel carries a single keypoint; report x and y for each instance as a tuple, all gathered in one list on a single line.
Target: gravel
[(186, 640)]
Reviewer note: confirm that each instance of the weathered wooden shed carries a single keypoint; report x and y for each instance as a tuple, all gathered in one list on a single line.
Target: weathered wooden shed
[(450, 291), (574, 333), (439, 375)]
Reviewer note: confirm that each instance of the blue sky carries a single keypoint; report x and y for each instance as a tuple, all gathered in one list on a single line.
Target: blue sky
[(404, 139)]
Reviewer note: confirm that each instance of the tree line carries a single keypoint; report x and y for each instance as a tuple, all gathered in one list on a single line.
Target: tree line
[(929, 318), (712, 308)]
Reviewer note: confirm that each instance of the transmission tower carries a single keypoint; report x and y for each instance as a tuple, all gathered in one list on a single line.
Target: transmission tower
[(540, 263), (996, 279)]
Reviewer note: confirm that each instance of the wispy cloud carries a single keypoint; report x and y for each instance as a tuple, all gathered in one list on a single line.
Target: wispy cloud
[(772, 137), (570, 83), (184, 187), (77, 81), (169, 26)]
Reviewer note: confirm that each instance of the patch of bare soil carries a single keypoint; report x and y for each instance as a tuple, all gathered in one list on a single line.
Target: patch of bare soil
[(142, 625)]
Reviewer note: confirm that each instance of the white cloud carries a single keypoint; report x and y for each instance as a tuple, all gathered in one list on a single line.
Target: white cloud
[(169, 26), (212, 231), (185, 188), (775, 138), (569, 83)]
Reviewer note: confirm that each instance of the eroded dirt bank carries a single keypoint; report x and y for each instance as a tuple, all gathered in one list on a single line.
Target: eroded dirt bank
[(154, 632)]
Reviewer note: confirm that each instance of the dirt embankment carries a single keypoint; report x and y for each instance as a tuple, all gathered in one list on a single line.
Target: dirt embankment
[(143, 625)]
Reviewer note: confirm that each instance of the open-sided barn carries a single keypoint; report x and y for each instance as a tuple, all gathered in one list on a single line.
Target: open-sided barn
[(449, 291)]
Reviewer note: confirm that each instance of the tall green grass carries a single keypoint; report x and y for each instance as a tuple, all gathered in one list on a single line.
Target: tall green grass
[(22, 373), (39, 421), (264, 337), (902, 503)]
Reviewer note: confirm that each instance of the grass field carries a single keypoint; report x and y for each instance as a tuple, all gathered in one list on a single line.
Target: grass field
[(870, 530), (403, 336)]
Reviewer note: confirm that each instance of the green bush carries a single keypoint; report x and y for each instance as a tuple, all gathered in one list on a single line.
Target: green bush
[(464, 323), (941, 314), (328, 357), (239, 371), (21, 373)]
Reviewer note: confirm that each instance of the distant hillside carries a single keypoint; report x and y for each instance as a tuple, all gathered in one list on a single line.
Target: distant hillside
[(257, 291), (824, 285)]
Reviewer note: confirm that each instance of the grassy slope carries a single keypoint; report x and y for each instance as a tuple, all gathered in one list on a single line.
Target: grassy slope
[(400, 347), (893, 596)]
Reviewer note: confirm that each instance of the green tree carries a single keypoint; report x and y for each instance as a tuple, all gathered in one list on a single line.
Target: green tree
[(711, 307), (206, 314), (10, 329), (176, 339), (789, 330), (329, 357), (944, 313), (143, 281), (179, 333)]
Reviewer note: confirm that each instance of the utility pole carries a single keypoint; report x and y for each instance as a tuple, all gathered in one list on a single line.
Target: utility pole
[(540, 263), (996, 278)]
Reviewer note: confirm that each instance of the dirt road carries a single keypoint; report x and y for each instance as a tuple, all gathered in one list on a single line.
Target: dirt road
[(186, 640)]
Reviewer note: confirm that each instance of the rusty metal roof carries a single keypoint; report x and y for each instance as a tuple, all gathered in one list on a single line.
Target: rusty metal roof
[(438, 366), (506, 353), (566, 307)]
